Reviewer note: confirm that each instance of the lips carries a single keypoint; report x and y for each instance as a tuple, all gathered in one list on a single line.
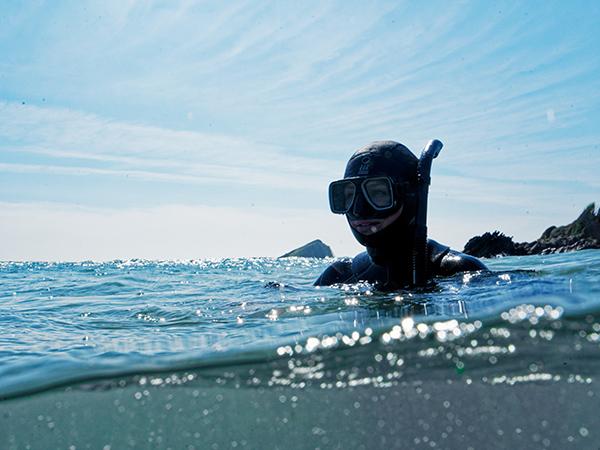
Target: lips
[(367, 227)]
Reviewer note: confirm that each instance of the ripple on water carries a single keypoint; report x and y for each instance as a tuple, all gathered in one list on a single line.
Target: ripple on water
[(169, 314)]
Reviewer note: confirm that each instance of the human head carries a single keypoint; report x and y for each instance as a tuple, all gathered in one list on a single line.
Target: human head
[(373, 228)]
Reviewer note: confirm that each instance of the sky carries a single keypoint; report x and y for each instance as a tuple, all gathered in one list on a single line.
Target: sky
[(192, 130)]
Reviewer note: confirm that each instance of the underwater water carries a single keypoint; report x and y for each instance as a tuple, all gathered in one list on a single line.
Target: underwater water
[(246, 353)]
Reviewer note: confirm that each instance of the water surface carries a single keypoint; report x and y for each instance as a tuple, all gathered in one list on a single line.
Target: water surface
[(248, 344)]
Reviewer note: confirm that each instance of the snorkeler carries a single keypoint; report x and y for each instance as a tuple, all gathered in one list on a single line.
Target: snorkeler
[(384, 197)]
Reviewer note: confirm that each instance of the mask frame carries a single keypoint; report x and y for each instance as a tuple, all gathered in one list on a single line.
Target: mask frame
[(349, 187)]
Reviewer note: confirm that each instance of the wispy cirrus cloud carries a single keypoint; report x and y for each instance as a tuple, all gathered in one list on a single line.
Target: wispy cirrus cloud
[(146, 152)]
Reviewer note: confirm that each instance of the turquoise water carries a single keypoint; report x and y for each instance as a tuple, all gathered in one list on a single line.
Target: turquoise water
[(247, 353)]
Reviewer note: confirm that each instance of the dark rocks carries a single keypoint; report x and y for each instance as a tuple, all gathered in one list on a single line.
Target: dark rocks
[(493, 244), (314, 249), (581, 234)]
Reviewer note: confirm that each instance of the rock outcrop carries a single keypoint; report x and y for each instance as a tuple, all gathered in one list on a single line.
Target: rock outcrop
[(314, 249), (489, 245), (583, 233)]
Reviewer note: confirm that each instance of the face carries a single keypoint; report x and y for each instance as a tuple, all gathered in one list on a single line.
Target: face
[(369, 203), (364, 218)]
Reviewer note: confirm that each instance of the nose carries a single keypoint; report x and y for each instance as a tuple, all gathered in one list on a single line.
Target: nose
[(361, 208)]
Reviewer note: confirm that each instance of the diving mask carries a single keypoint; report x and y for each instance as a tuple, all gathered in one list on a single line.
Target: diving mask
[(379, 192)]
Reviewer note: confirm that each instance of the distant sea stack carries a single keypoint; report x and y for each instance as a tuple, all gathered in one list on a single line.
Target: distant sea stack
[(583, 233), (314, 249)]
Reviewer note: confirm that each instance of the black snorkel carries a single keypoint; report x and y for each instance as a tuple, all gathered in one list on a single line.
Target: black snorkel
[(419, 256)]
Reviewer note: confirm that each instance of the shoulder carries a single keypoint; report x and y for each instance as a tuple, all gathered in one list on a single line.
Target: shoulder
[(351, 270), (338, 272), (454, 262), (445, 261)]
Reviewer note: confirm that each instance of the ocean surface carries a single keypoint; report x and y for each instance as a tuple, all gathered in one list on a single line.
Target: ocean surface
[(246, 353)]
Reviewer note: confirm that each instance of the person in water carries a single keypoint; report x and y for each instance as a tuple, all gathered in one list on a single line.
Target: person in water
[(379, 196)]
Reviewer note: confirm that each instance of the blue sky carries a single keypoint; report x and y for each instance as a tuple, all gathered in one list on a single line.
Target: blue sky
[(212, 129)]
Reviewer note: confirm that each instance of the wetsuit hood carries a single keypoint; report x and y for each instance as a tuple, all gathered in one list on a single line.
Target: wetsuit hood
[(394, 160), (383, 158)]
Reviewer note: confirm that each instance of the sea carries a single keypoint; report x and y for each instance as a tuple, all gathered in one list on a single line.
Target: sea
[(247, 353)]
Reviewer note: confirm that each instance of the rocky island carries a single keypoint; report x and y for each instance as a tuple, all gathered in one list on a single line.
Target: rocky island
[(583, 233), (314, 249)]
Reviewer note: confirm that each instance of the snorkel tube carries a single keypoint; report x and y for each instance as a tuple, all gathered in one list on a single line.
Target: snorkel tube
[(419, 256)]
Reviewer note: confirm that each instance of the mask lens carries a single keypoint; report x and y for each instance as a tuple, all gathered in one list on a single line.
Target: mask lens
[(341, 196), (379, 192)]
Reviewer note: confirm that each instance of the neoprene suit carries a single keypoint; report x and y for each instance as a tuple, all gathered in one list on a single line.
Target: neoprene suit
[(388, 261), (443, 261)]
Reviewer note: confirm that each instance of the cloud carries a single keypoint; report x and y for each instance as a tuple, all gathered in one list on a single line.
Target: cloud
[(147, 152)]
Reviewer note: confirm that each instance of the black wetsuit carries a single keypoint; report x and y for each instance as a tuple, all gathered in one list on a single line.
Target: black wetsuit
[(388, 262), (443, 261)]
